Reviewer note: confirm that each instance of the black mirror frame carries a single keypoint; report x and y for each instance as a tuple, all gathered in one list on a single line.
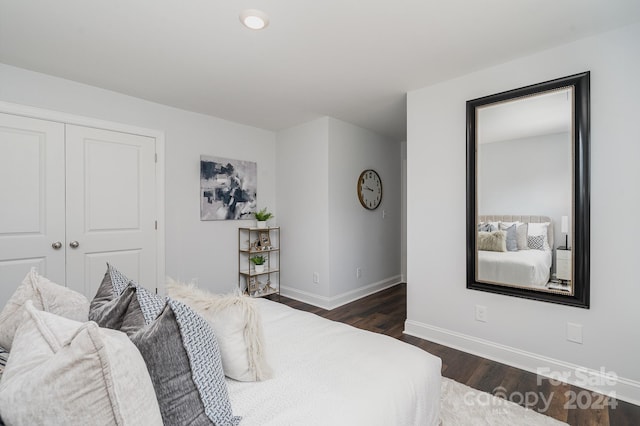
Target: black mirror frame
[(581, 192)]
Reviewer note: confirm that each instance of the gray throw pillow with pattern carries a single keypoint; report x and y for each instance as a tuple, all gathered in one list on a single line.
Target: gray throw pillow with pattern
[(184, 363)]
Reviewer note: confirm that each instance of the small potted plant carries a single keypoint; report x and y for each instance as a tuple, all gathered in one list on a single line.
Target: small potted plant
[(258, 262), (262, 216)]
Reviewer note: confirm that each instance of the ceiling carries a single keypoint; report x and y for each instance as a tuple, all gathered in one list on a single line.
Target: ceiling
[(546, 113), (352, 60)]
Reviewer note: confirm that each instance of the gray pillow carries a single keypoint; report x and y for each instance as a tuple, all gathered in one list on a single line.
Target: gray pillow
[(512, 238), (486, 227), (122, 313), (122, 306), (4, 355), (492, 241), (184, 363), (112, 286)]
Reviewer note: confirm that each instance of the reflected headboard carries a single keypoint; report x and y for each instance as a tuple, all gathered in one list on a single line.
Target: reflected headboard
[(526, 219)]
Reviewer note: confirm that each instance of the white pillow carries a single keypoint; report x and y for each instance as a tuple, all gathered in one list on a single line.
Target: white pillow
[(235, 321), (66, 372), (46, 296), (541, 228)]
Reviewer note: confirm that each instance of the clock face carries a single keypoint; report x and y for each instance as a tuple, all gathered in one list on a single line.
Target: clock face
[(369, 189)]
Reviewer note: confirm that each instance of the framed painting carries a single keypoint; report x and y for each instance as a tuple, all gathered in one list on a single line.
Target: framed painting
[(228, 188), (265, 240)]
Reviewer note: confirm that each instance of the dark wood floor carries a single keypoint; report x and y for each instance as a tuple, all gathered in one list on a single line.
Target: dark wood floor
[(386, 311)]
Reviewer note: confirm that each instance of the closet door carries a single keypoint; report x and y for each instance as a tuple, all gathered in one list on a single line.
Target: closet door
[(32, 201), (111, 205)]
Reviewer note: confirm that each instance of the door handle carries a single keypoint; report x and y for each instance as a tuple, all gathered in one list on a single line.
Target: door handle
[(74, 244), (57, 245)]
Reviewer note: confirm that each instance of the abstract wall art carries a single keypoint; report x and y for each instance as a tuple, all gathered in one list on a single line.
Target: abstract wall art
[(228, 188)]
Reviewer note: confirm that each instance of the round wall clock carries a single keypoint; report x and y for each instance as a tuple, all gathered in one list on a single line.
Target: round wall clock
[(369, 189)]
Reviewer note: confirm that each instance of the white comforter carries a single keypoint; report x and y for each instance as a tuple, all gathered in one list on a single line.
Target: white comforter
[(329, 373), (527, 268)]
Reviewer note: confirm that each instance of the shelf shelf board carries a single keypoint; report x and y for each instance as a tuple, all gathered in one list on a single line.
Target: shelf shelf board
[(246, 250), (254, 273), (253, 228), (268, 293)]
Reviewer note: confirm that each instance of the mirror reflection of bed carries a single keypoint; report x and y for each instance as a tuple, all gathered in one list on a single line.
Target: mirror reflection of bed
[(528, 155), (524, 164), (519, 251)]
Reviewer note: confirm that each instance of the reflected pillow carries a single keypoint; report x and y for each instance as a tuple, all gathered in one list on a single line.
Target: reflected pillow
[(492, 241), (486, 227), (521, 236), (540, 229), (536, 242), (521, 233), (512, 240)]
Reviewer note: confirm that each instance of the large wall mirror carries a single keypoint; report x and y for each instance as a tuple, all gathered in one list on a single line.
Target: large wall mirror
[(528, 192)]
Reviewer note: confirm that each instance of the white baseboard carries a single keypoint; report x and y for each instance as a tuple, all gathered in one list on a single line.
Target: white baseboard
[(598, 381), (305, 297), (341, 299)]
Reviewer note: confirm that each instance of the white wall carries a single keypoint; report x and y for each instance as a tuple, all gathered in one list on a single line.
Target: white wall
[(190, 252), (523, 332), (302, 198), (529, 176), (311, 191), (361, 238), (324, 228)]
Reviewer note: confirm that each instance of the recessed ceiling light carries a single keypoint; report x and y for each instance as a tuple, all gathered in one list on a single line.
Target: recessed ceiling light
[(254, 19)]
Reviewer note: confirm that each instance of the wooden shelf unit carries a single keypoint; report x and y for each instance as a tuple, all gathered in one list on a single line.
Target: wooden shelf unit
[(252, 242)]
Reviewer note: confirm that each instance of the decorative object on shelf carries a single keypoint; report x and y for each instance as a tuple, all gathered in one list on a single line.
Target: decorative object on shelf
[(370, 189), (253, 286), (265, 240), (262, 216), (228, 188), (565, 230), (258, 262), (267, 289)]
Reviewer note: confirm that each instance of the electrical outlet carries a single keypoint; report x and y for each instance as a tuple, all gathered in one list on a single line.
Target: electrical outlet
[(358, 272), (574, 332), (316, 277), (481, 313)]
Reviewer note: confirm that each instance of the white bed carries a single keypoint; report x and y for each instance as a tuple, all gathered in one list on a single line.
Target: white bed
[(523, 268), (329, 373), (526, 268), (325, 373)]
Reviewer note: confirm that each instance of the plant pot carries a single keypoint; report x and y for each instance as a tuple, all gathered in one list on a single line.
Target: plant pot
[(262, 223), (259, 269)]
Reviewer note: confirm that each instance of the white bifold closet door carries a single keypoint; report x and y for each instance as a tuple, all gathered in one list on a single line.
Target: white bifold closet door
[(73, 198)]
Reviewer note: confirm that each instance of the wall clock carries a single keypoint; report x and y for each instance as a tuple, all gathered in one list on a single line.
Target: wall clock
[(369, 189)]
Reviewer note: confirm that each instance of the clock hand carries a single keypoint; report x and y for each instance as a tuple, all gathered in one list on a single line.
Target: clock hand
[(366, 187)]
